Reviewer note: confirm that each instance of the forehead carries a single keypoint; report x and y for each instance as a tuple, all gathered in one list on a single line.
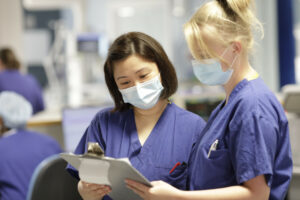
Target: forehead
[(207, 46), (132, 64)]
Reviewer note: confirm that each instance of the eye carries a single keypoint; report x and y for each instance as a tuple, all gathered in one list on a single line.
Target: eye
[(125, 83), (143, 76)]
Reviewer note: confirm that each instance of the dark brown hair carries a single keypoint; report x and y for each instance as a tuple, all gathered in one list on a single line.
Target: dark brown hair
[(148, 48), (9, 59)]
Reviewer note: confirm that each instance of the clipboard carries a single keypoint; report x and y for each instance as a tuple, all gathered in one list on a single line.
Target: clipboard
[(94, 167)]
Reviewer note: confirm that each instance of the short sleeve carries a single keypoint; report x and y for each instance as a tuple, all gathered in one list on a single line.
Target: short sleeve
[(92, 134), (252, 144)]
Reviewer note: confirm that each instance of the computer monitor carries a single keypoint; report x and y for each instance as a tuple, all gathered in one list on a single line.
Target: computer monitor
[(39, 73), (74, 123)]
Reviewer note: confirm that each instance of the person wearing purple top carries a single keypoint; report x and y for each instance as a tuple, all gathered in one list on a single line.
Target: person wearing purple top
[(12, 80), (21, 150), (244, 151), (145, 126)]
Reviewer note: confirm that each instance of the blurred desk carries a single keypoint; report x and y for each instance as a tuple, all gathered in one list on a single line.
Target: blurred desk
[(48, 122), (45, 118), (296, 170)]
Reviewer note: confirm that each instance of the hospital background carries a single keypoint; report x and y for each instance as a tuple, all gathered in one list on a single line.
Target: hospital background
[(63, 44)]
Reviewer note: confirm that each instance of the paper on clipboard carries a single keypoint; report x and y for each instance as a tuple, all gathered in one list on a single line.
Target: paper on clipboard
[(90, 173), (107, 171)]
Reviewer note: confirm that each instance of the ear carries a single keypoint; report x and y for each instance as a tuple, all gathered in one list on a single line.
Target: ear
[(237, 47)]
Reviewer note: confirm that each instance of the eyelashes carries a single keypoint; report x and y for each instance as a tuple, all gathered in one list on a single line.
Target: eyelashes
[(141, 77)]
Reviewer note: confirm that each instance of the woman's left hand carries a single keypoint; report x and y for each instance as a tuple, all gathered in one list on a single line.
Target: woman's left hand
[(159, 190)]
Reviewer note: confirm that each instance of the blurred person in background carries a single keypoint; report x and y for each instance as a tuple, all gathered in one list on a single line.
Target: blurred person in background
[(20, 150), (12, 80)]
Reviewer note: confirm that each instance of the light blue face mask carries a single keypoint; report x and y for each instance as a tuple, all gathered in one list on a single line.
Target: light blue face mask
[(210, 72), (144, 95)]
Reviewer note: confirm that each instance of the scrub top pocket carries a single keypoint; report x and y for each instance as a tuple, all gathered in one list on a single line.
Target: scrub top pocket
[(219, 154), (220, 166), (177, 178)]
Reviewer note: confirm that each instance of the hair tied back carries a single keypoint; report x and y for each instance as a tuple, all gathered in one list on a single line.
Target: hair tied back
[(228, 10)]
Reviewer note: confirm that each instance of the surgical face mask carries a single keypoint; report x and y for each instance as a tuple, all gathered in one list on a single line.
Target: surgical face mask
[(211, 73), (144, 95)]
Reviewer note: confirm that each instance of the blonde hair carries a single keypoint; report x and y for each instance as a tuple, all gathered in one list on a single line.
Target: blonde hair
[(224, 21)]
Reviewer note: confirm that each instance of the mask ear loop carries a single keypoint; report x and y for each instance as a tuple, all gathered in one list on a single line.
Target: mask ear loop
[(233, 61), (224, 52)]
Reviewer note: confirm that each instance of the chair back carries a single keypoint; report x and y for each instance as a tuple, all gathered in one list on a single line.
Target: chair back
[(51, 180)]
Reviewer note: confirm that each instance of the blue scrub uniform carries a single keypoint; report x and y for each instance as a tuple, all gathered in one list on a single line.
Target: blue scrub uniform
[(20, 154), (253, 139), (25, 85), (170, 141)]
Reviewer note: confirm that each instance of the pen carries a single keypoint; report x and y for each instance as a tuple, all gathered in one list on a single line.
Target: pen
[(176, 165), (213, 147)]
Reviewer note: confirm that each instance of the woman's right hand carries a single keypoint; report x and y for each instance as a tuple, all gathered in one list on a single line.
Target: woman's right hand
[(90, 191)]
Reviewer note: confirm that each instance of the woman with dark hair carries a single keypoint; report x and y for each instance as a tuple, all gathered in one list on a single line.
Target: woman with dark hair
[(12, 80), (144, 125)]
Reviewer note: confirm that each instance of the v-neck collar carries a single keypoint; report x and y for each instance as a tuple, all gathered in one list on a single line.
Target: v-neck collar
[(149, 141), (233, 93), (223, 106)]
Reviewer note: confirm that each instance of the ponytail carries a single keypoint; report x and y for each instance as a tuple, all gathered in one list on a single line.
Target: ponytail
[(241, 11), (225, 21)]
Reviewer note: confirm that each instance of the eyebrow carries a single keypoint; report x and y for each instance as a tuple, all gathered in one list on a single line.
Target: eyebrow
[(120, 77), (141, 69)]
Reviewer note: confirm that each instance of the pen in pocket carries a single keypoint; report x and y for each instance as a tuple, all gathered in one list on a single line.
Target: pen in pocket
[(176, 165), (213, 147)]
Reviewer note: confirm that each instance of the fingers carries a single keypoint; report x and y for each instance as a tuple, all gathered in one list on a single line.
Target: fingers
[(102, 192), (95, 187), (139, 186), (92, 191), (137, 191)]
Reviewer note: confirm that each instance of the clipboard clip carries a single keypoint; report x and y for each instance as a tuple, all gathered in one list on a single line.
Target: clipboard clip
[(94, 150)]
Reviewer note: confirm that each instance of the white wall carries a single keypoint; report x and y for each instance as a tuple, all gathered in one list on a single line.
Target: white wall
[(11, 25), (265, 58)]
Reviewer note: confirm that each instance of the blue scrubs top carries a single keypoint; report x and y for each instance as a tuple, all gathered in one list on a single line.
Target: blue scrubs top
[(170, 141), (253, 139), (20, 154), (25, 85)]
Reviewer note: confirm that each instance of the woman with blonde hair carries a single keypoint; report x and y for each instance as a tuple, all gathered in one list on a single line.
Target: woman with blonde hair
[(244, 151)]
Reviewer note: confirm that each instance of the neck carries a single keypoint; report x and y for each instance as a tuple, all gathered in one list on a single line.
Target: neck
[(242, 70), (154, 111)]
